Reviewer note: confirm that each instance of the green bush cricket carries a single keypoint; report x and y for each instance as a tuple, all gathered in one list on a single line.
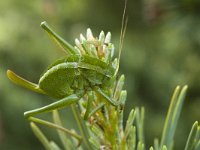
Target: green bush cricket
[(87, 67)]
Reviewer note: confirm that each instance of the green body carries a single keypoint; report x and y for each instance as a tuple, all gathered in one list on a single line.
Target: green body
[(75, 75)]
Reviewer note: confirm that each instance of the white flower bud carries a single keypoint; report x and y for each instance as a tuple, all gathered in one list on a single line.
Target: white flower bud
[(77, 42), (102, 37), (82, 38), (89, 34), (108, 37)]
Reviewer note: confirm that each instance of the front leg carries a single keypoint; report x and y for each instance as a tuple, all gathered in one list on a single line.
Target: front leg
[(109, 99), (56, 105)]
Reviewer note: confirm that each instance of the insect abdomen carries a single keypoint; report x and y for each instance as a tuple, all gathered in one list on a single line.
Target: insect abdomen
[(58, 80)]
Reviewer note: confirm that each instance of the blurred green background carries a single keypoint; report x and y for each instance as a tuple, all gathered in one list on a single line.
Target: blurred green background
[(161, 50)]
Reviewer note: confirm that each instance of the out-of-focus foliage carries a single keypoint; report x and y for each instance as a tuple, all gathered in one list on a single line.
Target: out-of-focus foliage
[(161, 50)]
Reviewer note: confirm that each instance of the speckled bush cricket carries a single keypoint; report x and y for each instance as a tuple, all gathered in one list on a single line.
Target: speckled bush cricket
[(88, 67)]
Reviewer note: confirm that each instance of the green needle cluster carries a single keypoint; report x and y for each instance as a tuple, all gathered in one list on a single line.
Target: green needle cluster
[(98, 106)]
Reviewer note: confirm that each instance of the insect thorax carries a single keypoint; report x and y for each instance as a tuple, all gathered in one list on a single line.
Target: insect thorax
[(75, 74)]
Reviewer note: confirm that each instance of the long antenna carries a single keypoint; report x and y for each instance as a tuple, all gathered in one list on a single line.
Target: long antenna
[(122, 35)]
